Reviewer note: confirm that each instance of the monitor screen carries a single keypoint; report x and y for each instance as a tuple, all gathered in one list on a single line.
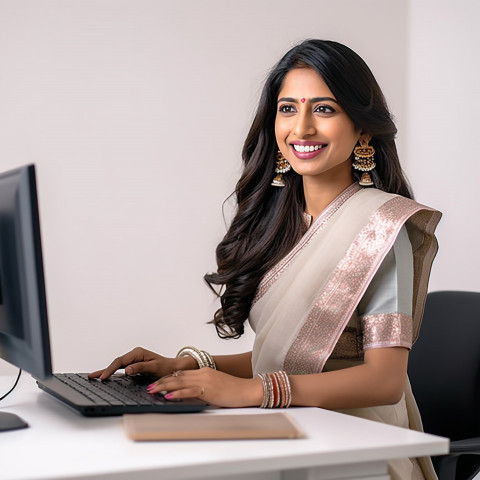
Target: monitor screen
[(24, 339)]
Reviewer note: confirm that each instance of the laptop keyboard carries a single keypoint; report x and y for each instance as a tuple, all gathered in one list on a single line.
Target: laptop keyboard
[(118, 390)]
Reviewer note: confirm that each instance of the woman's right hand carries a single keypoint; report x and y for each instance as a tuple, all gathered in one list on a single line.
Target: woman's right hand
[(140, 360)]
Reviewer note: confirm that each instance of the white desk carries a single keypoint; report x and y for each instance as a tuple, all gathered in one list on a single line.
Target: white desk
[(61, 444)]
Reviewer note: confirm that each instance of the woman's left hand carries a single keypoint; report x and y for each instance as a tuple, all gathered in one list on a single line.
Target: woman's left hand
[(214, 387)]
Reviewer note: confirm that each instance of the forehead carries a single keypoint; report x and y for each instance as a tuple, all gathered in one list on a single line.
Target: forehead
[(304, 82)]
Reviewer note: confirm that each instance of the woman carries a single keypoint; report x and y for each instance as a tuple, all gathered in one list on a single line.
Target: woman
[(332, 275)]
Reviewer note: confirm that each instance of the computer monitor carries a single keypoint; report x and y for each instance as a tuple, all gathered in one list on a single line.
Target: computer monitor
[(24, 338)]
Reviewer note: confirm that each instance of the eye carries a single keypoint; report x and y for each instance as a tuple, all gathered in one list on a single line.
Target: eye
[(324, 109), (286, 108)]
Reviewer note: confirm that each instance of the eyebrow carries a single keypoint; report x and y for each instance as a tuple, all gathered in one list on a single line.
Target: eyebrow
[(311, 100)]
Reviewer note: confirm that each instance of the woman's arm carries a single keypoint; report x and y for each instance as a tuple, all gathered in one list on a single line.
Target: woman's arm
[(239, 365), (380, 380), (140, 360)]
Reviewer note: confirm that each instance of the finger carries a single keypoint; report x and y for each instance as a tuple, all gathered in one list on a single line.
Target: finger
[(177, 380), (120, 362), (112, 368), (142, 367), (190, 392), (103, 374), (168, 383)]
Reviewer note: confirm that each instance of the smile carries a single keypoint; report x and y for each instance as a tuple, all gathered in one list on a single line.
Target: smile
[(307, 150)]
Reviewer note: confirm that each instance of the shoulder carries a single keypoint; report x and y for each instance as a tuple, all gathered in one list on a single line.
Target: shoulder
[(386, 211), (393, 203)]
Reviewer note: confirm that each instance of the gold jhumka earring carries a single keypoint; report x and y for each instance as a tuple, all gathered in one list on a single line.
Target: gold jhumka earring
[(364, 161), (282, 166)]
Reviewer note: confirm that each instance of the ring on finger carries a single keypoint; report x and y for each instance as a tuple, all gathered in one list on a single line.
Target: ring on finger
[(203, 392), (177, 373)]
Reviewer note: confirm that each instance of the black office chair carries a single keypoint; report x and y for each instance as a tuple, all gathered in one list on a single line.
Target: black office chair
[(444, 370)]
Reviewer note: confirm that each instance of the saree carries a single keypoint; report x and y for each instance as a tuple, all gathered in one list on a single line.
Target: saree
[(305, 313)]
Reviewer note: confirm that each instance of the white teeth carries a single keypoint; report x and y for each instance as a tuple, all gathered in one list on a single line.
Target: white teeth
[(306, 148)]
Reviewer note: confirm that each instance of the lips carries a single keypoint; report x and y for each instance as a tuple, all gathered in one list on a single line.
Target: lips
[(307, 150)]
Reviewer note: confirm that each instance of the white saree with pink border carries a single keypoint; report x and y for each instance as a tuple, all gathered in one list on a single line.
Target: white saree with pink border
[(309, 311)]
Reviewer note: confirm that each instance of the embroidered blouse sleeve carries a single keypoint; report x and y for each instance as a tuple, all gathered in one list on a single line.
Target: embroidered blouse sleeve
[(386, 307)]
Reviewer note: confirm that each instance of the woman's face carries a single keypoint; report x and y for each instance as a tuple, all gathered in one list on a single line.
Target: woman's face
[(313, 132)]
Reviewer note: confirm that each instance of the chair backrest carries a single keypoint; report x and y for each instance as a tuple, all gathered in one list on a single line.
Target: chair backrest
[(444, 365)]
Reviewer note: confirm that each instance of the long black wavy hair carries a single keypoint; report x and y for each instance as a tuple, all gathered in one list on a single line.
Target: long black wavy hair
[(268, 220)]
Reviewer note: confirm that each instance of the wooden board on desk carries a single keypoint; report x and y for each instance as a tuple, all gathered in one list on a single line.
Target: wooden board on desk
[(148, 427)]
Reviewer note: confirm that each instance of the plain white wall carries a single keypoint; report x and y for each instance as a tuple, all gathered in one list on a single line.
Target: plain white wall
[(135, 113), (443, 123)]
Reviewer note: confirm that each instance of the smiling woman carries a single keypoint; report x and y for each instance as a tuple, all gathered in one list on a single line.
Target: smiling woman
[(331, 276)]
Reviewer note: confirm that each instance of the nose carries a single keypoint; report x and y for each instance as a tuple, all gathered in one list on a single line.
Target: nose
[(305, 124)]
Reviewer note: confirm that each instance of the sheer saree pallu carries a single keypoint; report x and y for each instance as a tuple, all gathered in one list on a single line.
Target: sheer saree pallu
[(304, 304)]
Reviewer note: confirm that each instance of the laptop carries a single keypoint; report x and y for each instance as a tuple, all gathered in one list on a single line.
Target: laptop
[(24, 334)]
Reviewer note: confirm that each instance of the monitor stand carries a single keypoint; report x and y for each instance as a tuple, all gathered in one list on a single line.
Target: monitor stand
[(10, 421)]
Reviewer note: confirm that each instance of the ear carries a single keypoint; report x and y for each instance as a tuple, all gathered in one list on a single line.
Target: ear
[(364, 139)]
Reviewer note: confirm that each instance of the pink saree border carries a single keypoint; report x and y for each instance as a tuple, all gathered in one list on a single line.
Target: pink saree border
[(276, 272), (336, 303), (387, 330)]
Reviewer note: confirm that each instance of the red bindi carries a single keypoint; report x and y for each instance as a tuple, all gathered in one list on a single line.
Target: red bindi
[(302, 100)]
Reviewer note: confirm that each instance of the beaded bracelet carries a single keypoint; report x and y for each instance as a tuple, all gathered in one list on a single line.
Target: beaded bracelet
[(277, 392), (204, 359)]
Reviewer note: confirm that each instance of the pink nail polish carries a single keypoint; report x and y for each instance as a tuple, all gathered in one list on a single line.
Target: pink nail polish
[(168, 396)]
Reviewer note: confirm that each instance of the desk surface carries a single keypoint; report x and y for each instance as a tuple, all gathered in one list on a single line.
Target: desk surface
[(62, 444)]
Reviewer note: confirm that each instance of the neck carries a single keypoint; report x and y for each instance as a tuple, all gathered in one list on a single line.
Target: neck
[(320, 192)]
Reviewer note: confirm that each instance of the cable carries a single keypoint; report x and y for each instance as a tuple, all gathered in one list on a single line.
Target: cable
[(15, 384)]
